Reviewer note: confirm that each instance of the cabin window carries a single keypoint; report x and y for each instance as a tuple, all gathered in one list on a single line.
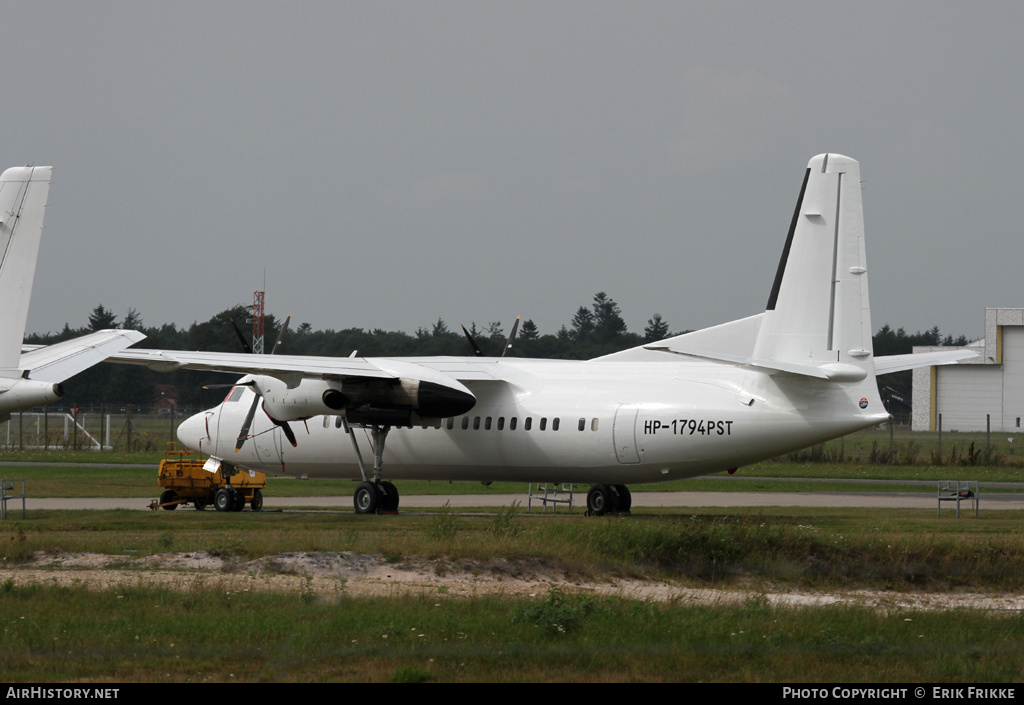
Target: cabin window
[(465, 422), (476, 423), (544, 423), (501, 423), (527, 423), (583, 424), (555, 423), (512, 423), (451, 423), (487, 424), (593, 425)]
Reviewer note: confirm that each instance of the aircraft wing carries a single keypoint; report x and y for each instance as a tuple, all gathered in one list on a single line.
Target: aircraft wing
[(284, 367), (293, 368), (382, 388), (898, 363), (58, 362)]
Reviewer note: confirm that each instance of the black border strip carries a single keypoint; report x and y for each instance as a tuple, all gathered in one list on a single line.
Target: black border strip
[(774, 297)]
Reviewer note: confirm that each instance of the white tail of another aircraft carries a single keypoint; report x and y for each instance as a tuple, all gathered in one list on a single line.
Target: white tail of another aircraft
[(23, 192), (34, 378)]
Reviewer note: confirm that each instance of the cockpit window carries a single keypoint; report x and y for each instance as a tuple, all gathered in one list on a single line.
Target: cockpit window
[(235, 394)]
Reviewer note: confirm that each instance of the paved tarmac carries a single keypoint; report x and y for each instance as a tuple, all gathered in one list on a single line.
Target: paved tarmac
[(903, 500)]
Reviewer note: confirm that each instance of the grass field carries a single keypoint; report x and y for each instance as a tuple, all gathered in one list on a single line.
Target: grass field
[(808, 547), (199, 635), (200, 632)]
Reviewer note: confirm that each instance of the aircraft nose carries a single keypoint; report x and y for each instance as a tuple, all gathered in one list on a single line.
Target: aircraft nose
[(192, 431)]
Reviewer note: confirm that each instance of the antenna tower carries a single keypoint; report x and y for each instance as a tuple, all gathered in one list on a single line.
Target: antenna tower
[(257, 323)]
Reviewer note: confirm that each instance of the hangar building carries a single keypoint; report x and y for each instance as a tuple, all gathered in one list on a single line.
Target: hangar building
[(990, 385)]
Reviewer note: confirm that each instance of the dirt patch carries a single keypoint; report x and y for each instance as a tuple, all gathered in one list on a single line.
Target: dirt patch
[(361, 575)]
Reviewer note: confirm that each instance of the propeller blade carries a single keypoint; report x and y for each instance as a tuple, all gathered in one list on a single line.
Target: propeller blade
[(244, 432), (511, 337), (476, 348), (280, 337), (241, 338), (289, 434)]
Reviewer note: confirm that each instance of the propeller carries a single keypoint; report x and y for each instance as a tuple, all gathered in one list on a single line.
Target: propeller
[(280, 336), (241, 338), (472, 343), (243, 433), (508, 345), (511, 337)]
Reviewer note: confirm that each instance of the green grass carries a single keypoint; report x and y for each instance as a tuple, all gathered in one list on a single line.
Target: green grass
[(118, 481), (202, 631), (109, 480), (206, 634), (807, 547)]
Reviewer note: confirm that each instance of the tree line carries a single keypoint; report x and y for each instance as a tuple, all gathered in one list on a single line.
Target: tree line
[(594, 330)]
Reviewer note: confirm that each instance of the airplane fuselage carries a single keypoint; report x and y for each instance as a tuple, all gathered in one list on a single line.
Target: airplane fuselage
[(564, 421)]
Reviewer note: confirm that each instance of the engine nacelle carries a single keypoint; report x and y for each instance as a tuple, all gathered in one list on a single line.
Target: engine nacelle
[(17, 394), (389, 401)]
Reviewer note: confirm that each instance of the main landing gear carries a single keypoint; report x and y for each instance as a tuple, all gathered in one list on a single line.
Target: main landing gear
[(608, 499), (373, 495)]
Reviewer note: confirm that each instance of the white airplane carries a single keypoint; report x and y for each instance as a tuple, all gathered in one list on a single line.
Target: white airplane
[(799, 373), (32, 375)]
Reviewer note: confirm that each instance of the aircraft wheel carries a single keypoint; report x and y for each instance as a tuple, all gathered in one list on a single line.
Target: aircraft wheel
[(222, 500), (600, 500), (169, 496), (389, 497), (624, 498), (367, 498), (237, 500), (257, 501)]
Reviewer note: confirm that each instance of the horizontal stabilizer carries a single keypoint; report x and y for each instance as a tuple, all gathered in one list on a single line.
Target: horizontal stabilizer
[(898, 363), (60, 361), (834, 371)]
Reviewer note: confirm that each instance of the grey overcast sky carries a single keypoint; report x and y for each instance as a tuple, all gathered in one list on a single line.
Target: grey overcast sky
[(386, 164)]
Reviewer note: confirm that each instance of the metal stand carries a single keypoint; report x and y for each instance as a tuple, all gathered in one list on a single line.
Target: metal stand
[(6, 493), (549, 493), (958, 491)]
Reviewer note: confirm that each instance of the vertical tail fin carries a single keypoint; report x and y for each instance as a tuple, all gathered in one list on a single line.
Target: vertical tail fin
[(817, 322), (23, 192), (818, 308)]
